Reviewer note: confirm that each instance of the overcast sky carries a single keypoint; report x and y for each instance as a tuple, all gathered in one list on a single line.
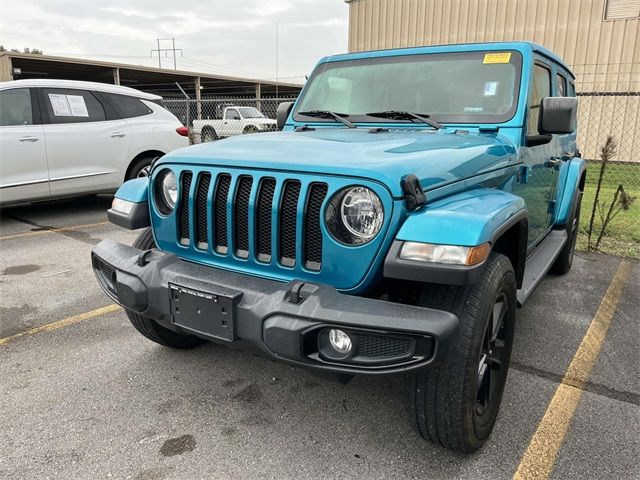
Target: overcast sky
[(234, 37)]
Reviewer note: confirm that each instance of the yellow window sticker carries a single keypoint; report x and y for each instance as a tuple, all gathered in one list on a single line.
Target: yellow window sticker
[(501, 57)]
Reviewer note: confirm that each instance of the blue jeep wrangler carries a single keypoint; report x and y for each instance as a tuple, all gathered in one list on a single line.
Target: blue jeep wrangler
[(412, 201)]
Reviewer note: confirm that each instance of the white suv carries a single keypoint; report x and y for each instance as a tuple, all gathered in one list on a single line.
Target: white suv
[(60, 137)]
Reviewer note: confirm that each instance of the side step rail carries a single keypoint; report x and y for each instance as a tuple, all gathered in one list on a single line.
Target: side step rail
[(540, 262)]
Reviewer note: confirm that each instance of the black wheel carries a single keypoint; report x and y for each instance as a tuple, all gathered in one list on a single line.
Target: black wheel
[(564, 261), (209, 135), (455, 405), (250, 129), (140, 168), (150, 328)]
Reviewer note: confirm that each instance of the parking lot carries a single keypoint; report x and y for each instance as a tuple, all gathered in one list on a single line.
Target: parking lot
[(84, 395)]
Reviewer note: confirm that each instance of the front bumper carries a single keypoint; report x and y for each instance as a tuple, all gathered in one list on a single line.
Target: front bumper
[(285, 321)]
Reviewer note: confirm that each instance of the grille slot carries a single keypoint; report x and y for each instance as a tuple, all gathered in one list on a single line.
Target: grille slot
[(288, 222), (263, 219), (201, 213), (313, 233), (241, 216), (220, 211), (183, 220), (374, 346)]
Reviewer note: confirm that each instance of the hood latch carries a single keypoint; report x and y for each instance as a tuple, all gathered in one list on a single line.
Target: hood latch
[(414, 195)]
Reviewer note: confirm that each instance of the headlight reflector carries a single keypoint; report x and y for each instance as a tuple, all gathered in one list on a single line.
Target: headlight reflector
[(355, 215), (167, 190), (449, 254)]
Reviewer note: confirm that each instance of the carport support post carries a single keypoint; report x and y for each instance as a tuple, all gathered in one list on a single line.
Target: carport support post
[(5, 68), (116, 76), (258, 96), (198, 103)]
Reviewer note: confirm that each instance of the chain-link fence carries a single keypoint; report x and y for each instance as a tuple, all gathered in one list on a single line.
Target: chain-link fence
[(609, 106), (210, 119)]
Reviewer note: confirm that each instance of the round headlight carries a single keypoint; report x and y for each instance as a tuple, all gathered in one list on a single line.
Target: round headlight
[(168, 187), (355, 216)]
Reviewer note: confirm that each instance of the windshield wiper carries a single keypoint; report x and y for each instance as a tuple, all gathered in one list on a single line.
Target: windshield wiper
[(329, 114), (401, 115)]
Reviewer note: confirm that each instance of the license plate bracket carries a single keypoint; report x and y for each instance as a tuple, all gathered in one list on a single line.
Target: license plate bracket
[(205, 313)]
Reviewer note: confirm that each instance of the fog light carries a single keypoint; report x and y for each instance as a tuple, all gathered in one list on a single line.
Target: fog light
[(340, 341)]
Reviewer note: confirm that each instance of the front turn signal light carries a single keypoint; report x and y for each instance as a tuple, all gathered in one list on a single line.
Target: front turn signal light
[(446, 254)]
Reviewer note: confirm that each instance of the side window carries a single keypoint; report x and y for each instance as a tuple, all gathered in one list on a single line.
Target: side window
[(72, 106), (540, 88), (561, 85), (233, 114), (572, 89), (15, 107), (128, 107)]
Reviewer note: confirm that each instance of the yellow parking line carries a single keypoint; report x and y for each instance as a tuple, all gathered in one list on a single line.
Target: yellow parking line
[(62, 323), (53, 230), (540, 457)]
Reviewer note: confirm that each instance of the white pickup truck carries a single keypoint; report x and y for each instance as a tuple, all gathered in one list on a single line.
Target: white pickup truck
[(235, 121)]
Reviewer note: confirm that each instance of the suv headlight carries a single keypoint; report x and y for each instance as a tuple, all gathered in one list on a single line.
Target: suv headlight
[(355, 215), (166, 191)]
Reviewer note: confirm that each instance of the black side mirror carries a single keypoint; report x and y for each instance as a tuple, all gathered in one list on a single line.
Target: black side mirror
[(284, 109), (557, 115)]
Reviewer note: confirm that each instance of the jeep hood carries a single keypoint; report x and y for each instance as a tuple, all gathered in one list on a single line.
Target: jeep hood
[(435, 157)]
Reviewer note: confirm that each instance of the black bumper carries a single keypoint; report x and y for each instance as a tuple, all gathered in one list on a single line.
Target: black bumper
[(286, 321)]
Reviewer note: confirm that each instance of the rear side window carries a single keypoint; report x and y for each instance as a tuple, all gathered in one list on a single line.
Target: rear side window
[(128, 107), (72, 106), (561, 84), (540, 88), (15, 107)]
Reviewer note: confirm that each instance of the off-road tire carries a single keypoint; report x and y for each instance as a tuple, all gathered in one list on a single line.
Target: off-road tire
[(564, 261), (444, 399), (208, 135), (138, 167), (150, 328)]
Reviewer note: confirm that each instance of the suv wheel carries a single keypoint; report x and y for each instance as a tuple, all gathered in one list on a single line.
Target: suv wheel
[(456, 404), (150, 328), (140, 168), (564, 261)]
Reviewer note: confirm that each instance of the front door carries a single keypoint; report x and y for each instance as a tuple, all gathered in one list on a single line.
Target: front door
[(23, 160), (538, 176), (86, 147)]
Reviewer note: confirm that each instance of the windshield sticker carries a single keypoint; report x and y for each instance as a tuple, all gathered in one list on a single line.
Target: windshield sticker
[(502, 57), (78, 107), (490, 89), (473, 109), (60, 105)]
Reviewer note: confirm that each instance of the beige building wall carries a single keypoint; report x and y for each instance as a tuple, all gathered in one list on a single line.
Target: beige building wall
[(603, 53)]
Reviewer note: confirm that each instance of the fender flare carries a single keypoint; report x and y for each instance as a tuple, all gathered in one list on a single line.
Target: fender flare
[(466, 219), (571, 175)]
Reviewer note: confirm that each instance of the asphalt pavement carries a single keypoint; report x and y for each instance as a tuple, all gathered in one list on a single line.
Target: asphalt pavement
[(83, 395)]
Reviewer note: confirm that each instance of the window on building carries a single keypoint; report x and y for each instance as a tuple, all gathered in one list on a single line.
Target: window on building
[(72, 106), (540, 88), (15, 107), (621, 9)]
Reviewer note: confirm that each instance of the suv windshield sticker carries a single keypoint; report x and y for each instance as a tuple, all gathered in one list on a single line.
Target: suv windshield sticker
[(502, 57)]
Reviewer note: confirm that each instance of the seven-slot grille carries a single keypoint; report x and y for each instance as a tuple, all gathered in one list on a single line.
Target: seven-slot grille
[(255, 204)]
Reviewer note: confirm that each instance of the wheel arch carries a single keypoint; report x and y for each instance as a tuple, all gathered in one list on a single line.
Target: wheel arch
[(147, 153), (511, 241)]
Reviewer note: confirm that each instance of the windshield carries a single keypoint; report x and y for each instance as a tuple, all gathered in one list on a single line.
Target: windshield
[(465, 87), (250, 112)]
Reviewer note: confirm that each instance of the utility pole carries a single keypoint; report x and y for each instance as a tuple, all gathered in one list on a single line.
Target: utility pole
[(165, 50), (277, 59)]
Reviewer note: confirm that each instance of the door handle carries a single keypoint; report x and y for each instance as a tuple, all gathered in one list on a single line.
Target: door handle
[(28, 139), (118, 134), (554, 162)]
